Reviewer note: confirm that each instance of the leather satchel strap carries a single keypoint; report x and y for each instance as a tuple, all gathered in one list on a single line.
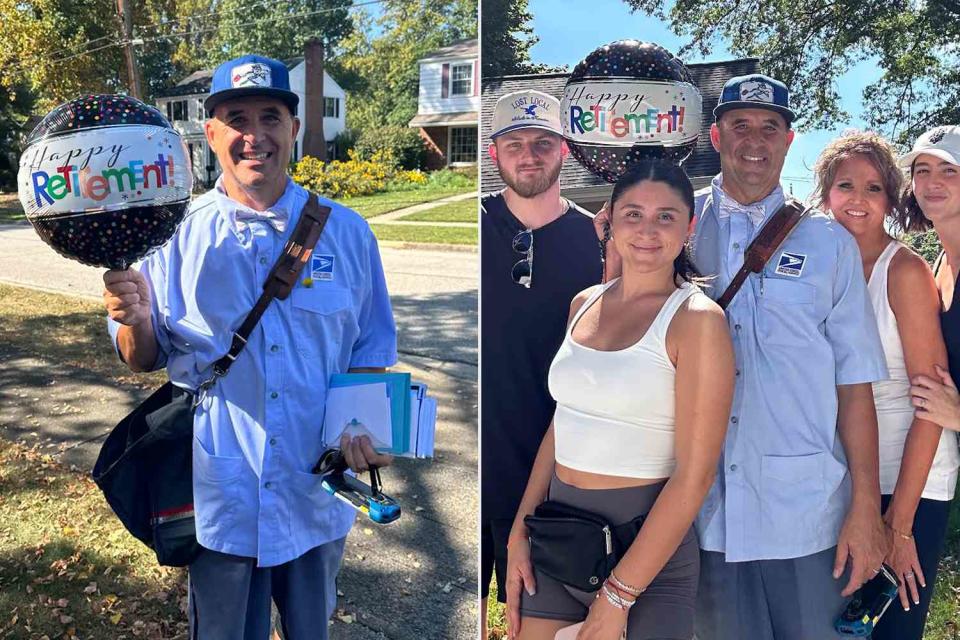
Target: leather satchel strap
[(771, 236), (283, 277)]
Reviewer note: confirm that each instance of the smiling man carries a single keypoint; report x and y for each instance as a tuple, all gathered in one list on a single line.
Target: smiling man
[(792, 524), (539, 251), (267, 528)]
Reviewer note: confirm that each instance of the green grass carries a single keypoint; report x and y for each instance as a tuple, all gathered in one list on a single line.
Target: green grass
[(943, 621), (66, 330), (425, 233), (380, 203), (460, 211), (67, 567), (10, 209), (496, 616)]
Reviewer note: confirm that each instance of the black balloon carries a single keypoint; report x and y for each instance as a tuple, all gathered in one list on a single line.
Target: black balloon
[(105, 180), (626, 101)]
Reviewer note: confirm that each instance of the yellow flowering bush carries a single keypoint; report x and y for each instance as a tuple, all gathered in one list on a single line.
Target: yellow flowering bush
[(353, 177)]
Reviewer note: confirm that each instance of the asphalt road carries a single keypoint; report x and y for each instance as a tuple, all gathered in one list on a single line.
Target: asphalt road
[(413, 580)]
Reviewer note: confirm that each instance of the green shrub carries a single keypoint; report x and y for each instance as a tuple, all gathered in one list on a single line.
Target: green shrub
[(454, 178), (354, 177), (403, 142), (344, 142)]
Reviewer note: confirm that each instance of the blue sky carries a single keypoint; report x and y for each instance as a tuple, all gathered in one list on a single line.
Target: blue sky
[(556, 22)]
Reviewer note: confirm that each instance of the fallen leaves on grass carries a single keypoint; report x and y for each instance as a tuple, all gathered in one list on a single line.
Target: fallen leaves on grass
[(67, 567)]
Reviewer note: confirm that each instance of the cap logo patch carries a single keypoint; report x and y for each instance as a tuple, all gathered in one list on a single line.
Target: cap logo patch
[(756, 91), (937, 135), (531, 110), (251, 75)]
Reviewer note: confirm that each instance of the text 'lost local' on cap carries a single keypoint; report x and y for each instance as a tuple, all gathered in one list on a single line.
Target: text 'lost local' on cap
[(526, 109)]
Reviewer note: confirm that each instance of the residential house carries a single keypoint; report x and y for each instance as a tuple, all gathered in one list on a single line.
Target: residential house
[(183, 106), (576, 182), (449, 104)]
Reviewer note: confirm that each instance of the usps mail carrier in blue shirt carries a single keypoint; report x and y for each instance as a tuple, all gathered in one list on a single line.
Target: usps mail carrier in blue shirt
[(258, 431), (801, 328)]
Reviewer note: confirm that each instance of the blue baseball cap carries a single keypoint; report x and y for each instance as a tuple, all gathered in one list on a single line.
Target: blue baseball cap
[(251, 76), (755, 91)]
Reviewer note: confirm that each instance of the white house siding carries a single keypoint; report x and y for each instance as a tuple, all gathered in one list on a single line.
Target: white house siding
[(191, 129), (431, 98), (331, 126)]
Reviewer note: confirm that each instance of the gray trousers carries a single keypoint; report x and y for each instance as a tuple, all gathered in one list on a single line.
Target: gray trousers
[(229, 596), (795, 599)]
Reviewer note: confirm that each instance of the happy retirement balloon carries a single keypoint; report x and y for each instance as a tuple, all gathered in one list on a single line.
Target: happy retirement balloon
[(626, 101), (105, 180)]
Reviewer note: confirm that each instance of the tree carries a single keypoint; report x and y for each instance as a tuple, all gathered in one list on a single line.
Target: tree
[(279, 30), (810, 44), (507, 39), (377, 64)]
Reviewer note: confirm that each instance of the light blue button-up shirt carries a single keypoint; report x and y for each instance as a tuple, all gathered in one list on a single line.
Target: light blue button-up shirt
[(804, 327), (258, 431)]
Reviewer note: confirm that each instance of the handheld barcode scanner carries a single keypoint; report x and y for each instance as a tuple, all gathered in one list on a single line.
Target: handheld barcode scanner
[(868, 604), (368, 499)]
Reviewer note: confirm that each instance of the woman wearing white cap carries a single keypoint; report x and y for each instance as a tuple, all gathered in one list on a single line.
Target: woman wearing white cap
[(859, 183), (933, 199)]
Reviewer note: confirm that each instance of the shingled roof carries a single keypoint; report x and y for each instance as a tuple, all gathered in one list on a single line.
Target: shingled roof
[(702, 165)]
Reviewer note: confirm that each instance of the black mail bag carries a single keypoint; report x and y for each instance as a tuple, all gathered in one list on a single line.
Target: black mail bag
[(145, 472), (577, 547)]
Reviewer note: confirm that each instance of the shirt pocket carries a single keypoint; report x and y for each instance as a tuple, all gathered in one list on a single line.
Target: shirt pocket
[(215, 486), (787, 311), (320, 317), (795, 492)]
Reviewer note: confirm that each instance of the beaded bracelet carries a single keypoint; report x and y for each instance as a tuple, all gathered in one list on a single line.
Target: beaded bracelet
[(622, 586)]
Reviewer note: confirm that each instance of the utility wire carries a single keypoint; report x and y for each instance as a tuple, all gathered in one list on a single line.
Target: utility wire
[(121, 42)]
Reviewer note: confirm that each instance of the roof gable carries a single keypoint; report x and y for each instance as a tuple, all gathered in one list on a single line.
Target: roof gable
[(468, 48), (709, 77)]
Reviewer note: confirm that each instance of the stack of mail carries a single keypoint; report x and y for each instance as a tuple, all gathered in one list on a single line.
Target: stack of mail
[(396, 413)]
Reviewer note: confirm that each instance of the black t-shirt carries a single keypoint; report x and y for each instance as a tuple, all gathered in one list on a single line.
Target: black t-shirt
[(522, 329)]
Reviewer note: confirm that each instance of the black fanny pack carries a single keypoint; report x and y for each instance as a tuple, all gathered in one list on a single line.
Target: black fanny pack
[(577, 547)]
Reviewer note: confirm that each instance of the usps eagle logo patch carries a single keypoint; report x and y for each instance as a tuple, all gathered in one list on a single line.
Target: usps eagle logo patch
[(250, 75), (791, 264), (321, 267), (756, 91)]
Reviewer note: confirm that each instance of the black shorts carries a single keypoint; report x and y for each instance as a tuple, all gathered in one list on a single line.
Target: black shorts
[(493, 556)]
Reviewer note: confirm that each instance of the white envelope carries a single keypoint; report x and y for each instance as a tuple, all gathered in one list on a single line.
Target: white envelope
[(367, 405)]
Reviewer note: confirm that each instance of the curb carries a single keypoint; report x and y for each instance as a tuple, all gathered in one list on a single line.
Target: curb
[(428, 246)]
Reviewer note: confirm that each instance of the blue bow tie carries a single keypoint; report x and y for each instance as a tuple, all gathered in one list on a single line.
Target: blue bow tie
[(275, 218), (729, 206)]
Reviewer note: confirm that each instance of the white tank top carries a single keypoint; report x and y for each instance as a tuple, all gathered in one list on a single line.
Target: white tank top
[(615, 409), (892, 398)]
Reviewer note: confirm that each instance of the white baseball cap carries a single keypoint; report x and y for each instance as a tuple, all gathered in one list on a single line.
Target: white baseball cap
[(526, 109), (942, 142)]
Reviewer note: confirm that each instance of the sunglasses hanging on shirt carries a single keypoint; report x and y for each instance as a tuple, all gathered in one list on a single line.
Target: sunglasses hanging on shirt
[(523, 270)]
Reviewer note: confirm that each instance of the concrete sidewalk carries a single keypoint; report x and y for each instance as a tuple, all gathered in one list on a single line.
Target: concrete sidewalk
[(413, 580), (396, 217)]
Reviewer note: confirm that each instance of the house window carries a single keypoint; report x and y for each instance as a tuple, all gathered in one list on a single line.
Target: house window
[(463, 145), (177, 110), (461, 79), (200, 108), (331, 107)]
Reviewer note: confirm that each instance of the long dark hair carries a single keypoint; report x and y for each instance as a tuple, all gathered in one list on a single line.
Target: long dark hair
[(657, 170), (909, 216)]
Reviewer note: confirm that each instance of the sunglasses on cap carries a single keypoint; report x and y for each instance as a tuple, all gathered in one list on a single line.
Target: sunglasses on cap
[(523, 270)]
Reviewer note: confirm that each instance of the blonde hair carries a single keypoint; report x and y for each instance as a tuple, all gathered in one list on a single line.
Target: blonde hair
[(871, 146)]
